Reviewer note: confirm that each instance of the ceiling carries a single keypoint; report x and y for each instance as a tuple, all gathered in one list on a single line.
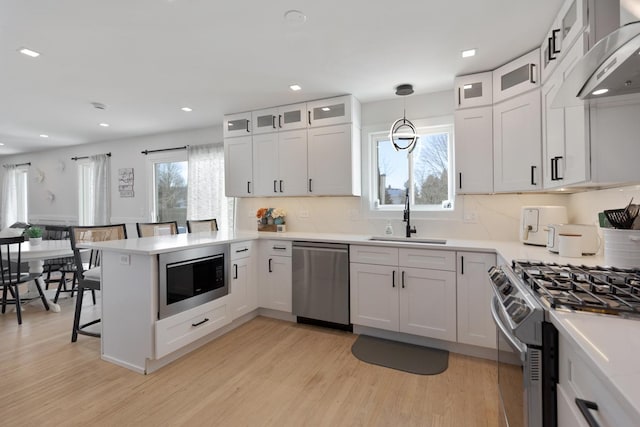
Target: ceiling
[(146, 59)]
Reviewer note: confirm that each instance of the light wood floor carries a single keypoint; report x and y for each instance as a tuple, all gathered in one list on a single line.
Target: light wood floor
[(265, 373)]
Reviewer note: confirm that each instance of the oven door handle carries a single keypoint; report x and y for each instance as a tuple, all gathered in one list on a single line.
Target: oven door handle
[(513, 341)]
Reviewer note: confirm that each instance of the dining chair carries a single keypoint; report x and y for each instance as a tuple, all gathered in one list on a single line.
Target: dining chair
[(149, 229), (53, 265), (12, 275), (195, 226), (89, 269)]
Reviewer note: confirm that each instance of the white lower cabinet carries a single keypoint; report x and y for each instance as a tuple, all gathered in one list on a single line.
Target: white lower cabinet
[(243, 285), (181, 329), (401, 297), (275, 273), (475, 324), (579, 380)]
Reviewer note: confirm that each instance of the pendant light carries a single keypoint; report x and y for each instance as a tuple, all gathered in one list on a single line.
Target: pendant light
[(403, 134)]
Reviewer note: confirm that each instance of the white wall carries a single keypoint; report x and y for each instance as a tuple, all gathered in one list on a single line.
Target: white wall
[(125, 153)]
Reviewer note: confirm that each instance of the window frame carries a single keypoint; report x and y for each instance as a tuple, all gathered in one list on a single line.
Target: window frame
[(370, 136), (152, 159), (22, 193)]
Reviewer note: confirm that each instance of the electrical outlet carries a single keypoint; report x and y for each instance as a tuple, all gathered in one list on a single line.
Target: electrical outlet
[(471, 217), (303, 213), (125, 259)]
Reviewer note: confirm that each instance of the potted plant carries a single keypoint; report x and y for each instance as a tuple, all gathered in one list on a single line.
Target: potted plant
[(35, 235)]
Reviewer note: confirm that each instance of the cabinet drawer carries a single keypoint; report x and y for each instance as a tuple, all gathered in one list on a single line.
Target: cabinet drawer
[(427, 258), (380, 255), (579, 381), (241, 250), (184, 328), (277, 248)]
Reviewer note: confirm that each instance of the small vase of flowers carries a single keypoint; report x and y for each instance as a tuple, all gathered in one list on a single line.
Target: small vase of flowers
[(270, 218)]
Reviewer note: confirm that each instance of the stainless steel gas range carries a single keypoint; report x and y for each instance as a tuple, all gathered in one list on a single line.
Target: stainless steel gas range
[(524, 294)]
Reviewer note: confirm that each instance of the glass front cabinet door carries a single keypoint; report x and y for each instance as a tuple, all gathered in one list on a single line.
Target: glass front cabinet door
[(332, 111), (237, 125), (473, 90)]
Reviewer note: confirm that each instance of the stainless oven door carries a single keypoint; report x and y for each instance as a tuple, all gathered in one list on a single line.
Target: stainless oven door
[(518, 376)]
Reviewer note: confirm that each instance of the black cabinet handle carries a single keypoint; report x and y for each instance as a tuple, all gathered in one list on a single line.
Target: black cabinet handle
[(279, 120), (275, 183), (273, 121), (532, 72), (553, 169), (550, 56), (461, 264), (554, 33), (280, 248), (242, 250), (393, 279), (585, 406), (248, 122), (558, 158), (533, 172), (200, 323), (248, 187), (402, 279), (309, 115), (281, 186), (270, 270), (310, 185), (235, 272), (459, 97), (460, 180)]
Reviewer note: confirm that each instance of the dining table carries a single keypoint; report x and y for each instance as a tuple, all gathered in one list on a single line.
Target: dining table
[(35, 255)]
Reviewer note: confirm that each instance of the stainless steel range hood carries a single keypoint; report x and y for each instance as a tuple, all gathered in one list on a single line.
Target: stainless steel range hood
[(610, 68)]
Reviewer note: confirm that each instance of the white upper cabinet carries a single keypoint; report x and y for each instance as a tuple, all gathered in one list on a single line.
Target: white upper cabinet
[(292, 117), (516, 77), (333, 111), (280, 166), (265, 121), (517, 147), (288, 117), (474, 150), (238, 173), (565, 134), (334, 161), (473, 90), (237, 125)]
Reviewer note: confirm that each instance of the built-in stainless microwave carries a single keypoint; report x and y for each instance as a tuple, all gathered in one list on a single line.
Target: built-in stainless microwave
[(191, 277)]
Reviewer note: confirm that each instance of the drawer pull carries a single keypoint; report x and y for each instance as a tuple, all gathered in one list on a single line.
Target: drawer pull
[(585, 406), (280, 248), (241, 250), (200, 323)]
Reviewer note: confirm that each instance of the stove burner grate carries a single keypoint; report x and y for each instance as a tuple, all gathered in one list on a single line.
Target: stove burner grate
[(579, 287)]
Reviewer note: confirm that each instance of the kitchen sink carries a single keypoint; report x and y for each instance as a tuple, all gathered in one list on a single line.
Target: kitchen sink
[(408, 240)]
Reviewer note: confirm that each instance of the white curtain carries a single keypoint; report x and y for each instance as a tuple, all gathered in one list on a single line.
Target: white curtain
[(9, 196), (100, 206), (205, 191)]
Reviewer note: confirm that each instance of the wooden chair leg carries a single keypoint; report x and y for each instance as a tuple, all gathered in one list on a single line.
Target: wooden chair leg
[(93, 296), (18, 306), (62, 284), (76, 315), (42, 297), (4, 298)]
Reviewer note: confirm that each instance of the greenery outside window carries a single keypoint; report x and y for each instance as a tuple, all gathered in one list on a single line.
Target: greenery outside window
[(426, 172)]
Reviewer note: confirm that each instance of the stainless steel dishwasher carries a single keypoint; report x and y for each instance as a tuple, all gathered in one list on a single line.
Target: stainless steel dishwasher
[(321, 283)]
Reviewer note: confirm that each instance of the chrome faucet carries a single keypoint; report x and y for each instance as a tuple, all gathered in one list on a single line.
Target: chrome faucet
[(407, 217)]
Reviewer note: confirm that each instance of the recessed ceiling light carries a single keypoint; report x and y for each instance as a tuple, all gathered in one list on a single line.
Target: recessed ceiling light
[(104, 125), (295, 87), (44, 136), (326, 109), (187, 109), (1, 143), (29, 52), (468, 53), (599, 91)]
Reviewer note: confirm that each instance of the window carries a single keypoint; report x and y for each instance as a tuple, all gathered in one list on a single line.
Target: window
[(86, 193), (21, 195), (426, 172), (169, 182)]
